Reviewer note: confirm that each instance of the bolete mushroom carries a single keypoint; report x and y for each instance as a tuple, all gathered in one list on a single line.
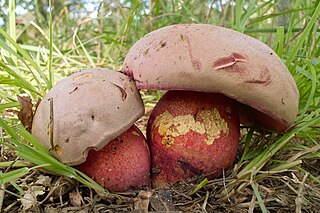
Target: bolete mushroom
[(87, 110), (207, 59), (121, 165), (192, 134)]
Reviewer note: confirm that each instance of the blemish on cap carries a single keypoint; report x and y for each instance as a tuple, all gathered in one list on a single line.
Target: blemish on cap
[(196, 63), (207, 121), (123, 92), (264, 82), (73, 90), (85, 75), (128, 72), (182, 37), (163, 43), (146, 52), (228, 61), (264, 78), (57, 150), (48, 130)]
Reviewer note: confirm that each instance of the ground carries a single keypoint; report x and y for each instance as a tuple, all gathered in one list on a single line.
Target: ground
[(279, 191)]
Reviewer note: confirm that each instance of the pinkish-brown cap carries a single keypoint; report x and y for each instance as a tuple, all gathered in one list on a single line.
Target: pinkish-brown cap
[(85, 111), (214, 59)]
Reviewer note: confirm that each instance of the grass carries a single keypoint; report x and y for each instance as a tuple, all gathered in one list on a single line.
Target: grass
[(269, 161)]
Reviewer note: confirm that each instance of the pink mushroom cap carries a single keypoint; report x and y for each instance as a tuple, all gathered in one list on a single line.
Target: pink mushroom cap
[(207, 58)]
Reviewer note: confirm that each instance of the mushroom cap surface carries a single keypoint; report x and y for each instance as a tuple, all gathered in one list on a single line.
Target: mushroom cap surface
[(207, 58), (87, 109)]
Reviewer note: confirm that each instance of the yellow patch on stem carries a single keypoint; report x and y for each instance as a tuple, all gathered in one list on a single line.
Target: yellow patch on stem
[(135, 133), (207, 122)]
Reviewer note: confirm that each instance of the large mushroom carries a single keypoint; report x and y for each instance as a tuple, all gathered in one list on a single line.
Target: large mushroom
[(215, 60), (86, 111)]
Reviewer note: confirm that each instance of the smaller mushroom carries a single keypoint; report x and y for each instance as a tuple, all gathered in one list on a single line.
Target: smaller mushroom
[(122, 165), (82, 113)]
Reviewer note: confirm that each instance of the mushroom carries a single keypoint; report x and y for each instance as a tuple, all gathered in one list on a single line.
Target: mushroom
[(121, 165), (208, 59), (87, 110), (192, 134)]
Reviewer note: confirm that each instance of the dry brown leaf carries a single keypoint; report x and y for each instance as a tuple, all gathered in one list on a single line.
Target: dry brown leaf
[(29, 199), (25, 114), (75, 198), (141, 203), (162, 201)]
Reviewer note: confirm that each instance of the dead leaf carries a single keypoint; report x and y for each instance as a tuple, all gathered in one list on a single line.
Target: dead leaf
[(162, 201), (29, 199), (64, 186), (141, 202), (25, 114), (43, 180), (75, 198)]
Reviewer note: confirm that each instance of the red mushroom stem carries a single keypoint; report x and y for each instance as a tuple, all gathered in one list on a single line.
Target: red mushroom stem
[(191, 134), (122, 165)]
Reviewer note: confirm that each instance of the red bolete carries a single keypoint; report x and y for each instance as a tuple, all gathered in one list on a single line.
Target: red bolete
[(86, 111), (192, 134), (123, 164), (229, 72)]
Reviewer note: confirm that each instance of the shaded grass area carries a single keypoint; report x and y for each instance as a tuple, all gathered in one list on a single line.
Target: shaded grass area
[(273, 172)]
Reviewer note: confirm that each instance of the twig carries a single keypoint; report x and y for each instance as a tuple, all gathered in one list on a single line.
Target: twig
[(51, 124), (2, 192), (205, 201), (208, 14)]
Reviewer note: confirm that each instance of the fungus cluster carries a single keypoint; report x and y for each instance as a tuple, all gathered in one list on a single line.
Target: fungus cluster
[(215, 79)]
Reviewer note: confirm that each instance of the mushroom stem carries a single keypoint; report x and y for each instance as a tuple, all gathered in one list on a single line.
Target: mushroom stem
[(192, 134), (122, 165)]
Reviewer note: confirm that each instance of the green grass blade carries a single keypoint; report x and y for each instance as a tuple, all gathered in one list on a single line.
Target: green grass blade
[(263, 158), (13, 175), (6, 96), (303, 37), (44, 159), (12, 164), (24, 83), (53, 45), (274, 15), (286, 165), (51, 80), (86, 52), (311, 92), (247, 144), (12, 20), (31, 139), (280, 41), (246, 16), (9, 105), (239, 9), (8, 129), (200, 185), (258, 196), (24, 56)]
